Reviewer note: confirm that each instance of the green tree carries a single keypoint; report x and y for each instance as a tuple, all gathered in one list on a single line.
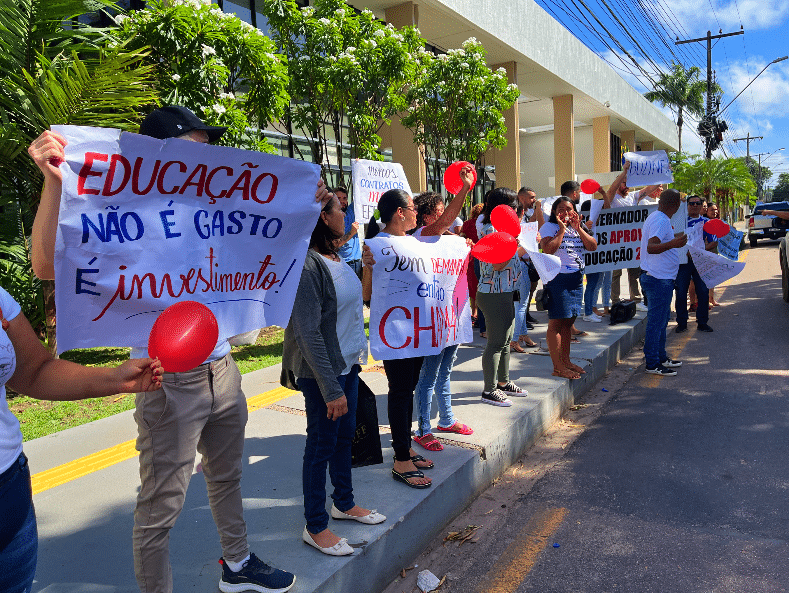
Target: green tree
[(346, 70), (759, 173), (726, 181), (220, 67), (55, 71), (682, 91), (456, 106), (781, 190)]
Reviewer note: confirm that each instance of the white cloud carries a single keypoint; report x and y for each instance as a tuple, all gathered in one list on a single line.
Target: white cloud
[(698, 17), (767, 96)]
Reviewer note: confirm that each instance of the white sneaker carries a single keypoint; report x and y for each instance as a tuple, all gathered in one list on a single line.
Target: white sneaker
[(593, 318), (641, 307)]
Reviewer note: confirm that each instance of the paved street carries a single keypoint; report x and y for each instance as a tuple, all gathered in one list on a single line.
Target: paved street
[(679, 485)]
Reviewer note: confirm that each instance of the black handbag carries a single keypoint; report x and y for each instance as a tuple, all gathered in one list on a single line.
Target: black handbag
[(366, 444), (622, 311)]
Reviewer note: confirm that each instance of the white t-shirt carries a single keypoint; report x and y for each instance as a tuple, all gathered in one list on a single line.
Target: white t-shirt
[(547, 203), (631, 199), (478, 225), (571, 251), (663, 266), (10, 434), (350, 316)]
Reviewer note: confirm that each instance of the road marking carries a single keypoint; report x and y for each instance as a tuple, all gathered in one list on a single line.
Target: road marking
[(105, 458), (653, 381), (518, 559)]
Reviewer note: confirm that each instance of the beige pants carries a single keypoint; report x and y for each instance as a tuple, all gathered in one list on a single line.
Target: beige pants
[(632, 279), (202, 409)]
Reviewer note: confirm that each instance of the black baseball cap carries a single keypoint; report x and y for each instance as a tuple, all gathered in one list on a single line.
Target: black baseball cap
[(175, 120)]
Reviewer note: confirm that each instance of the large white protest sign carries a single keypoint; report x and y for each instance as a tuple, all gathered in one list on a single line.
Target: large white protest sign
[(371, 179), (420, 296), (145, 223), (618, 234), (713, 268), (729, 245), (648, 168)]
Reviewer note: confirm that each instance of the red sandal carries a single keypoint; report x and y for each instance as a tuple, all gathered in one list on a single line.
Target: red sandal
[(429, 442), (457, 427)]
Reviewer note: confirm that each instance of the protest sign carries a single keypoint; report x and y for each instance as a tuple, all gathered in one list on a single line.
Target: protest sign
[(648, 168), (146, 223), (713, 268), (618, 234), (547, 266), (729, 245), (420, 296), (528, 236), (371, 179)]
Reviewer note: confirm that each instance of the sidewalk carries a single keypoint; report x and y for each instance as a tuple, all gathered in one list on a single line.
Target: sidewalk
[(85, 523)]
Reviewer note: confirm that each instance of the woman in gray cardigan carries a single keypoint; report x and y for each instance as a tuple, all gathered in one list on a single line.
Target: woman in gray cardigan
[(324, 345)]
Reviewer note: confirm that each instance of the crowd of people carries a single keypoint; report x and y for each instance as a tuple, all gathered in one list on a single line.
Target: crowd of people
[(324, 348)]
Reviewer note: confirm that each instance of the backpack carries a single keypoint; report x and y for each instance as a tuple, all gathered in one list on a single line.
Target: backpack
[(622, 311)]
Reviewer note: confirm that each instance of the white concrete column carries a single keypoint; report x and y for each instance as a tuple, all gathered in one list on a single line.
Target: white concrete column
[(563, 139), (601, 144)]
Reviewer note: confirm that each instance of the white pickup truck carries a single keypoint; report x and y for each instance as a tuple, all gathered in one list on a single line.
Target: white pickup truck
[(767, 227)]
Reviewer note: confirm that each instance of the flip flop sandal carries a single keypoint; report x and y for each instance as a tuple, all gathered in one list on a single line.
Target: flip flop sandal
[(581, 334), (574, 340), (457, 428), (404, 477), (429, 442), (419, 458)]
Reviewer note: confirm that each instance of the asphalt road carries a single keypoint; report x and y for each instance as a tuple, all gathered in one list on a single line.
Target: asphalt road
[(681, 484)]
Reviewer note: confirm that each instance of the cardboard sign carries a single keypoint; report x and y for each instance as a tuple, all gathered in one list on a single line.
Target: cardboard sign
[(145, 223), (420, 296), (729, 245), (713, 268), (648, 168), (618, 235), (371, 179)]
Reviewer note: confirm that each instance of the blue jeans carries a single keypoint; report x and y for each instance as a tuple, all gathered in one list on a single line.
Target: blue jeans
[(434, 377), (605, 285), (19, 546), (686, 272), (590, 293), (658, 293), (328, 443), (524, 287)]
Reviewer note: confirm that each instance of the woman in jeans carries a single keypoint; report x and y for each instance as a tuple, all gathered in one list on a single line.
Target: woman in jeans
[(497, 283), (565, 236), (434, 376), (27, 367), (323, 348)]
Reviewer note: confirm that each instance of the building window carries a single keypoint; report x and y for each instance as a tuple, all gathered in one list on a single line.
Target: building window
[(616, 153)]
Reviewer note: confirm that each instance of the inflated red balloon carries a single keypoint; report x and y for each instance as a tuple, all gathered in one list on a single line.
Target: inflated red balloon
[(505, 219), (452, 180), (589, 186), (495, 248), (183, 336), (716, 227)]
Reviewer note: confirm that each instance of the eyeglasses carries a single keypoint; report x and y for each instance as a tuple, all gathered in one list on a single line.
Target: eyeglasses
[(694, 203)]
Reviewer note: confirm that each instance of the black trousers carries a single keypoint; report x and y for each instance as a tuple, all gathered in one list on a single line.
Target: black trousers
[(403, 375)]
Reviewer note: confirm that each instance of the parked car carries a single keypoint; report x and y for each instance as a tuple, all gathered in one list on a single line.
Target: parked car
[(767, 227), (783, 253)]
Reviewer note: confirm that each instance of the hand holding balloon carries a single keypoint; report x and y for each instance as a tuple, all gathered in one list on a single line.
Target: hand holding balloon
[(454, 177), (183, 336)]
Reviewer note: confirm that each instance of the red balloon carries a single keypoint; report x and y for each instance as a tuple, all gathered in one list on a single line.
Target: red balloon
[(452, 179), (589, 186), (183, 336), (505, 219), (495, 248), (716, 227)]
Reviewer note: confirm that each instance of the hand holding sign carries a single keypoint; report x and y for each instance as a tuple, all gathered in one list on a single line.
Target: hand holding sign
[(183, 336)]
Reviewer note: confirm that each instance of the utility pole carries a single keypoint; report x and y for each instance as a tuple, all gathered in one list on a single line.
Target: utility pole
[(748, 139), (709, 122)]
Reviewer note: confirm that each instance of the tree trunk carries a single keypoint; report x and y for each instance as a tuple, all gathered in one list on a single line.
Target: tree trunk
[(48, 288)]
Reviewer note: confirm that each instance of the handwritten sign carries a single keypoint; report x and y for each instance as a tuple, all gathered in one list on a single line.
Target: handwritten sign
[(145, 223), (648, 168), (713, 268), (371, 179), (420, 297), (729, 245), (618, 234)]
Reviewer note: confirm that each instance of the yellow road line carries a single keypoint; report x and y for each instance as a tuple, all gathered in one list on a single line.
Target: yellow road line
[(518, 559), (107, 457)]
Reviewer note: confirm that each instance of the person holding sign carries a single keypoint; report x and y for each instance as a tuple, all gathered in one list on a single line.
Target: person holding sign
[(565, 236), (497, 283), (660, 264), (323, 348), (27, 367), (434, 377), (203, 409), (688, 273)]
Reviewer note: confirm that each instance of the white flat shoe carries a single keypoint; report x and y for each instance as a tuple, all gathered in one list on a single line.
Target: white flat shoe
[(372, 519), (341, 548)]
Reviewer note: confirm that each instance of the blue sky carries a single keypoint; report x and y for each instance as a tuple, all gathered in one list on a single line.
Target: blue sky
[(762, 110)]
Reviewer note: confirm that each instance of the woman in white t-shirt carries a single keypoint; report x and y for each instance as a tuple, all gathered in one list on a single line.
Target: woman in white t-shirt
[(27, 367), (564, 235)]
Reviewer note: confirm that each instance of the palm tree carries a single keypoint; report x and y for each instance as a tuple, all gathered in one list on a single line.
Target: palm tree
[(723, 179), (681, 90), (56, 71)]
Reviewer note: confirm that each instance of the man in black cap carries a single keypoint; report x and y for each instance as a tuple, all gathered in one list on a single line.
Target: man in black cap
[(203, 409)]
